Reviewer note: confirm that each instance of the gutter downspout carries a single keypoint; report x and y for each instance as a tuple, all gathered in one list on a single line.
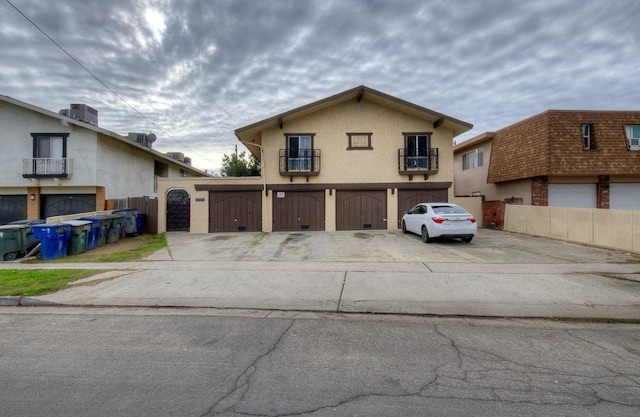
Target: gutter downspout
[(264, 179)]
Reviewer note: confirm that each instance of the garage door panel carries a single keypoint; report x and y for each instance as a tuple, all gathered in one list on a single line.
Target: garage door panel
[(624, 196), (12, 208), (298, 210), (62, 204), (409, 198), (235, 211), (573, 195), (356, 210)]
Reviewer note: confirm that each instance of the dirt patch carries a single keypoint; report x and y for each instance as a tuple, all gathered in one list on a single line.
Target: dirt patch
[(121, 245)]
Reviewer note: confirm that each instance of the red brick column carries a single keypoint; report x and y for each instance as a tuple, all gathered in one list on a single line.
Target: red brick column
[(603, 192), (539, 191)]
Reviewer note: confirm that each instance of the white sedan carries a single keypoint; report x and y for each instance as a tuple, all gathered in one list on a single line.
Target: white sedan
[(432, 220)]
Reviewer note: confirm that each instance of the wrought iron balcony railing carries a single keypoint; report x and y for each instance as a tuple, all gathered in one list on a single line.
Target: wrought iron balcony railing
[(300, 162), (421, 162), (47, 167)]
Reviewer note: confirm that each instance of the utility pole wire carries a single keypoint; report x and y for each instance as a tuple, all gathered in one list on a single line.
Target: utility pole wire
[(159, 128)]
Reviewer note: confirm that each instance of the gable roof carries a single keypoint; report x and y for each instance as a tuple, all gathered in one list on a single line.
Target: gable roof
[(474, 141), (251, 133), (88, 126)]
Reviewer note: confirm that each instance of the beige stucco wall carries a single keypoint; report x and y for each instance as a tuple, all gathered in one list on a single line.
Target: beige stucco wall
[(617, 229), (472, 204), (339, 165), (199, 199)]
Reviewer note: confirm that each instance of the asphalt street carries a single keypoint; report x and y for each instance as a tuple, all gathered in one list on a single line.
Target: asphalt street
[(57, 361)]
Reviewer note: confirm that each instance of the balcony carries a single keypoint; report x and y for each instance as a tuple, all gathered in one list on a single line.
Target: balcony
[(301, 162), (425, 163), (47, 168)]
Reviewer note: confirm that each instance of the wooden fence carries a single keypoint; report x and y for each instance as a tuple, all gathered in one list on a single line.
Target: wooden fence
[(146, 205)]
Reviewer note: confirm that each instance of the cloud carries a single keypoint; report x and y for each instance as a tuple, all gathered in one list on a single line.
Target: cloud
[(200, 69)]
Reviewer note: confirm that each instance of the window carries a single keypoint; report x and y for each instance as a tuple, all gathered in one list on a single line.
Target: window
[(472, 159), (587, 136), (49, 153), (633, 137), (49, 145), (359, 141), (417, 150), (300, 152)]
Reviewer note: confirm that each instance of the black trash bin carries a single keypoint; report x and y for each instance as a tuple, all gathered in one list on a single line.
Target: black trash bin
[(13, 241), (129, 224), (115, 227), (31, 239)]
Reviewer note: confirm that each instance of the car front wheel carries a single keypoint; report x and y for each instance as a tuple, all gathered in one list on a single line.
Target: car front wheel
[(404, 227), (425, 235)]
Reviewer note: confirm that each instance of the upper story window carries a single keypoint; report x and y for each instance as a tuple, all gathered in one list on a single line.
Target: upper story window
[(49, 157), (299, 152), (359, 141), (633, 137), (587, 136), (472, 159), (50, 145)]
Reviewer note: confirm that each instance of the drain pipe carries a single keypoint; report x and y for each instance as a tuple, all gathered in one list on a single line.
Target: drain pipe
[(264, 177)]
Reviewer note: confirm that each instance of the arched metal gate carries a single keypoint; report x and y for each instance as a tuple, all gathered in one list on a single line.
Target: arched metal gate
[(178, 211)]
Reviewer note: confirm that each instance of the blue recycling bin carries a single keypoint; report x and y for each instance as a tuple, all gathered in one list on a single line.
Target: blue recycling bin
[(54, 238), (141, 218), (94, 232), (104, 220)]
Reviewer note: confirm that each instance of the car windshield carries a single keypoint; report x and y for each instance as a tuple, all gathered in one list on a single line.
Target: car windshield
[(448, 210)]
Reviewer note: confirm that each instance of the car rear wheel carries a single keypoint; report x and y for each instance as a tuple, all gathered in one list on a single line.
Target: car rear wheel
[(404, 227), (467, 239), (425, 235)]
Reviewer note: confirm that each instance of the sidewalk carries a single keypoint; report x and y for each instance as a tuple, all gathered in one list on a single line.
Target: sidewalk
[(570, 290)]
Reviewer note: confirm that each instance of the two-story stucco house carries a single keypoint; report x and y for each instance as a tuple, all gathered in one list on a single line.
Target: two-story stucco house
[(52, 164), (562, 158), (355, 160)]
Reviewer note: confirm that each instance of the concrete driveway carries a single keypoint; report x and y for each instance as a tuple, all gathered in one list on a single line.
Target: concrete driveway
[(498, 274), (490, 246)]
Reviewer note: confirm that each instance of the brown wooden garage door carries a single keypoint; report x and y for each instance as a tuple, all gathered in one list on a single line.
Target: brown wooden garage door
[(356, 210), (409, 198), (235, 211), (298, 210)]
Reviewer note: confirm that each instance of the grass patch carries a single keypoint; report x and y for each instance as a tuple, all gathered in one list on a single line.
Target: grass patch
[(27, 282), (136, 248)]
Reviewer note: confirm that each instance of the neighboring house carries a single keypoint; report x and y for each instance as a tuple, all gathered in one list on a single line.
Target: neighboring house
[(355, 160), (52, 164), (560, 158)]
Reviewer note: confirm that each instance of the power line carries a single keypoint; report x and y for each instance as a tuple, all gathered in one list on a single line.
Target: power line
[(159, 128)]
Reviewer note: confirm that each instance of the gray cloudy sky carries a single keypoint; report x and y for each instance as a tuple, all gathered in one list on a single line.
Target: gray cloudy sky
[(198, 69)]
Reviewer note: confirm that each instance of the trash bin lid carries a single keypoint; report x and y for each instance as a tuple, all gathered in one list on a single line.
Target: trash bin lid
[(82, 224), (13, 227), (28, 222)]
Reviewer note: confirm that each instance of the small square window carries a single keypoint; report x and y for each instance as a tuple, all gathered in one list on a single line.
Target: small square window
[(359, 141)]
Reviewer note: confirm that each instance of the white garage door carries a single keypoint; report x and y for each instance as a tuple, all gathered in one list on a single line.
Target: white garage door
[(572, 195), (624, 196)]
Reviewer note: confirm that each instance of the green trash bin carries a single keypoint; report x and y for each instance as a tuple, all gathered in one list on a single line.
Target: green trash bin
[(13, 241), (79, 236)]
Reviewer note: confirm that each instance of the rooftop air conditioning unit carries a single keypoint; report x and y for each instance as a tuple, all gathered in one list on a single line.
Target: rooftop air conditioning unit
[(83, 113), (145, 139)]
